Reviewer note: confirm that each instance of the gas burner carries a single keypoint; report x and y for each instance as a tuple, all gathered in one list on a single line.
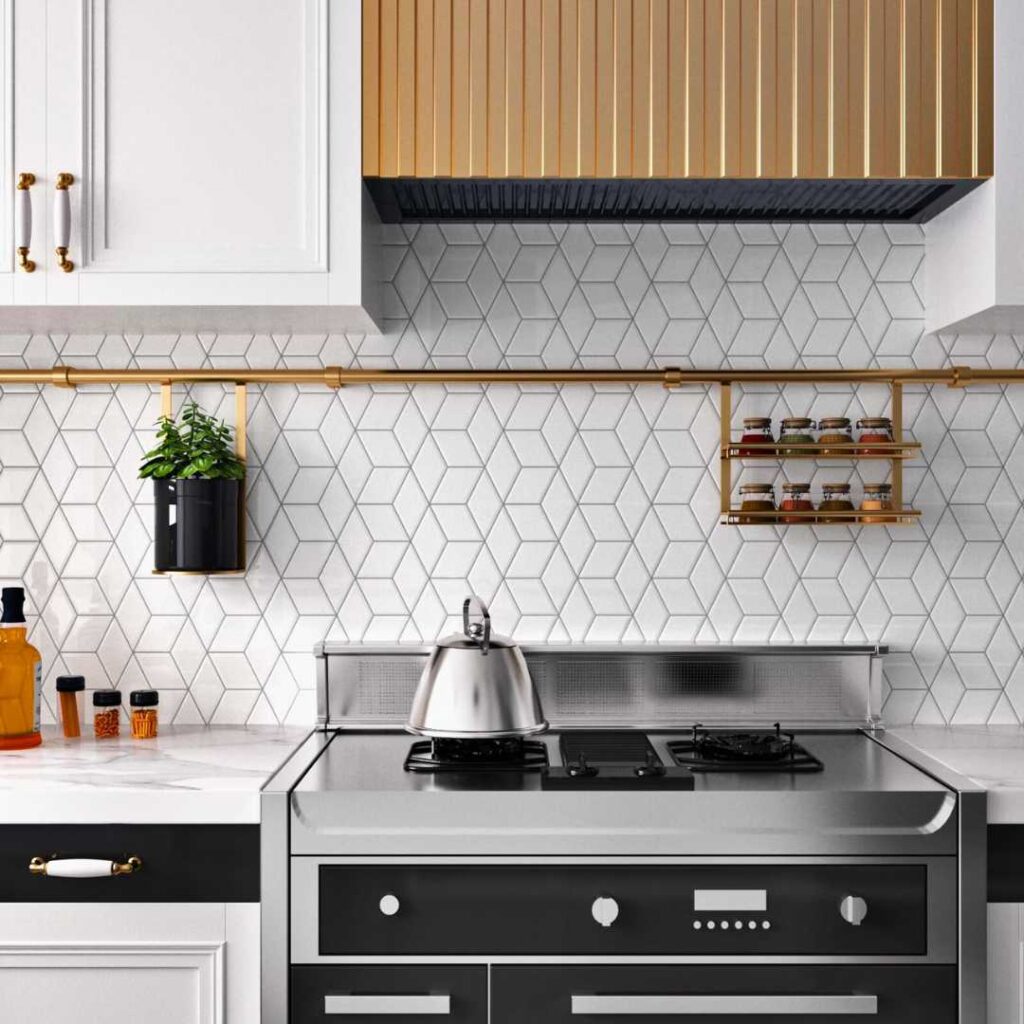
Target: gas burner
[(501, 754), (777, 751)]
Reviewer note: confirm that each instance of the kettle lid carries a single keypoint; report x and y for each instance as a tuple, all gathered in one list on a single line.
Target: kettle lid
[(476, 635)]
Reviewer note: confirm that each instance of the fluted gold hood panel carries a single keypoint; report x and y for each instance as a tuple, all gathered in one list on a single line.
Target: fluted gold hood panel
[(677, 89)]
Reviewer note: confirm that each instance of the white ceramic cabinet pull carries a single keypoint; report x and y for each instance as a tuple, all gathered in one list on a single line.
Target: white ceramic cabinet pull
[(62, 220), (23, 221), (83, 867)]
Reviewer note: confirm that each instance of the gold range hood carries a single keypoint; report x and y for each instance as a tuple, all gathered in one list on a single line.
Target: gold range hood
[(675, 109)]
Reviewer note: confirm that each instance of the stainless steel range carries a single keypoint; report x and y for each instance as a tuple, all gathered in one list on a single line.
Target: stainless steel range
[(704, 832)]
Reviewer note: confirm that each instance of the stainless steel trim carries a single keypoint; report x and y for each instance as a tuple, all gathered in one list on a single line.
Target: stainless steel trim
[(274, 842), (653, 686), (437, 1006), (752, 1006)]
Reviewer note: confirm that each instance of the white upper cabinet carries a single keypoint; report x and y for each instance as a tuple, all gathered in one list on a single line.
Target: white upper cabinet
[(213, 151)]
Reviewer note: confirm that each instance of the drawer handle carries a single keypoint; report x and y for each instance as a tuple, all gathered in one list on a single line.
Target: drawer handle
[(83, 867), (754, 1006), (438, 1006)]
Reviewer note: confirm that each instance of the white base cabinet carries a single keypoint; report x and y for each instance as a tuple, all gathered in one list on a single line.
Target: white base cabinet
[(112, 963)]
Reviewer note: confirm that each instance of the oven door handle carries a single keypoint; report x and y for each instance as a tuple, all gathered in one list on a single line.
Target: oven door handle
[(707, 1005), (383, 1005)]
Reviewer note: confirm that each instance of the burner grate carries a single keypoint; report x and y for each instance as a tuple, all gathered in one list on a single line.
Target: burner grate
[(716, 751), (502, 754)]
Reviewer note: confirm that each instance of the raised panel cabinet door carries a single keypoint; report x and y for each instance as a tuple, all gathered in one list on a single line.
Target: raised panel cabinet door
[(104, 963), (197, 137)]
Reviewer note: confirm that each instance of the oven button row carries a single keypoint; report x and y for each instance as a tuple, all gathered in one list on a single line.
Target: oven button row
[(724, 925)]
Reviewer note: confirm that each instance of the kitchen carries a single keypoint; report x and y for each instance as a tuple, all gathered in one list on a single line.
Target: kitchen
[(513, 307)]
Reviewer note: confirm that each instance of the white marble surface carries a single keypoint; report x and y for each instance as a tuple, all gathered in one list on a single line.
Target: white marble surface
[(990, 755), (187, 775)]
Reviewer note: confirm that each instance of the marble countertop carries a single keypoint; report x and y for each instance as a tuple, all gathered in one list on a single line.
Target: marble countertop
[(187, 775), (990, 755)]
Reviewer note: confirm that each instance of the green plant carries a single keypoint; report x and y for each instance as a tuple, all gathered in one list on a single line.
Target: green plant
[(194, 445)]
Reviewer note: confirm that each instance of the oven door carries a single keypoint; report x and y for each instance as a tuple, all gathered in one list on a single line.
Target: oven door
[(701, 994)]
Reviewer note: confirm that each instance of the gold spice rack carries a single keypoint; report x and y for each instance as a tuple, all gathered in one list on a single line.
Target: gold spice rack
[(668, 377), (895, 453)]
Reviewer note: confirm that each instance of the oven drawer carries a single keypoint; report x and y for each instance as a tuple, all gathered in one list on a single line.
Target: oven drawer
[(623, 910), (709, 994), (358, 995)]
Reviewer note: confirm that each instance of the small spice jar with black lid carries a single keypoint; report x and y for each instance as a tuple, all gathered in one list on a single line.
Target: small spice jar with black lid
[(106, 714), (71, 705), (144, 713)]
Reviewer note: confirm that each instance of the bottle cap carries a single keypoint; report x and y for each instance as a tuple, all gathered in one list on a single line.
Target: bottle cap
[(70, 684), (144, 698), (14, 604), (106, 698)]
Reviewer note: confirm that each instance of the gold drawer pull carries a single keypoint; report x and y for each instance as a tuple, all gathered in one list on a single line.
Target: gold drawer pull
[(23, 220), (83, 867)]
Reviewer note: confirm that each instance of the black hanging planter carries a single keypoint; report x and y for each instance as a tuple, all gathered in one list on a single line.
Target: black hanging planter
[(199, 525)]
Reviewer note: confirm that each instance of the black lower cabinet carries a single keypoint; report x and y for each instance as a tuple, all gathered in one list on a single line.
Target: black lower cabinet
[(365, 994), (722, 994)]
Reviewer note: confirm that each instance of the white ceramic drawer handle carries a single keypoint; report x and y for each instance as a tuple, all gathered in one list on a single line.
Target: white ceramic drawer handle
[(23, 221), (83, 867), (753, 1006), (438, 1006), (62, 220)]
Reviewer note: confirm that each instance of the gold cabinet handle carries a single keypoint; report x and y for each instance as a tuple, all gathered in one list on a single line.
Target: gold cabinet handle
[(23, 220), (62, 220), (83, 867)]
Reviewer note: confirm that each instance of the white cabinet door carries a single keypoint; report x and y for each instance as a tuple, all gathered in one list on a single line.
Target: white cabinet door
[(164, 963), (1005, 963), (199, 141), (22, 145)]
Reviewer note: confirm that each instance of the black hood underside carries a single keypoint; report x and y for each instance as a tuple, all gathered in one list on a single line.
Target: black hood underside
[(665, 199)]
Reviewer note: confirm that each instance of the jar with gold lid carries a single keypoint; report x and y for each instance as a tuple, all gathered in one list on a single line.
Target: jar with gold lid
[(835, 436), (873, 430), (835, 498), (797, 430), (877, 498), (757, 498), (756, 430), (796, 498)]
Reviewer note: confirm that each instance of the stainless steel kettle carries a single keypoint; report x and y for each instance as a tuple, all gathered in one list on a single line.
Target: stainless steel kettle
[(476, 686)]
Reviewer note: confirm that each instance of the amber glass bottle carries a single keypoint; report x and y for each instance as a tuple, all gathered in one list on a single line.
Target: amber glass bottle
[(20, 676)]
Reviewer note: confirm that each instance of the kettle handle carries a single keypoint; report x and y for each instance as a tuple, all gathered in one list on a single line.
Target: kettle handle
[(478, 632)]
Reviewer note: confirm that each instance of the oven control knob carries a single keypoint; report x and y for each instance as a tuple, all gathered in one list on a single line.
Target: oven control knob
[(853, 909), (389, 905), (605, 910)]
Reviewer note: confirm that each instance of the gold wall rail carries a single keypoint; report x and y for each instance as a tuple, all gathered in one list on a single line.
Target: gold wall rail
[(669, 377), (678, 88)]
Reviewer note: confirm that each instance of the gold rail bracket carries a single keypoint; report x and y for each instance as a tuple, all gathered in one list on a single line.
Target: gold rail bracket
[(62, 377), (962, 376), (332, 377), (673, 378)]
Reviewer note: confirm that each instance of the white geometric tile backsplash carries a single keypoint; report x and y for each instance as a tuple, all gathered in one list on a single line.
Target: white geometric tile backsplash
[(580, 514)]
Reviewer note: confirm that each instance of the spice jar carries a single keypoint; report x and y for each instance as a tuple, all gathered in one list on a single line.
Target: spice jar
[(70, 705), (797, 430), (756, 430), (835, 433), (877, 498), (143, 704), (757, 498), (835, 498), (874, 430), (106, 714), (796, 498)]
